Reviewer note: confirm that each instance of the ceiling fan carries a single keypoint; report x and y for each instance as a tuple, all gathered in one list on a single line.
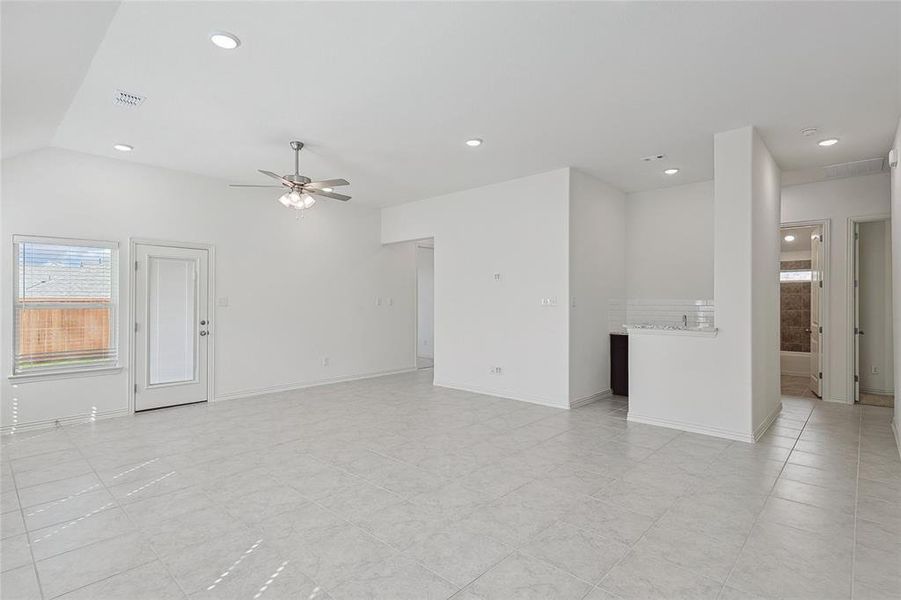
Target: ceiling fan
[(301, 190)]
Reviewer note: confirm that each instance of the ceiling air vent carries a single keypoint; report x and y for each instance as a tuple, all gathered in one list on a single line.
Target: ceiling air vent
[(127, 99), (858, 167)]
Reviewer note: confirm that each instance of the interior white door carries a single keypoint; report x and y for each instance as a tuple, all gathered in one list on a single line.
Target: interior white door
[(172, 327), (858, 331), (816, 324)]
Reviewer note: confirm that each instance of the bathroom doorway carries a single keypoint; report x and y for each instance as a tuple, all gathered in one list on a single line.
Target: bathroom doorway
[(425, 304), (872, 375), (802, 300)]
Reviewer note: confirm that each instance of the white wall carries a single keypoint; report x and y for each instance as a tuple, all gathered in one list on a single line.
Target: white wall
[(896, 278), (725, 385), (518, 229), (298, 290), (875, 289), (597, 226), (837, 200), (669, 246), (425, 310), (766, 246)]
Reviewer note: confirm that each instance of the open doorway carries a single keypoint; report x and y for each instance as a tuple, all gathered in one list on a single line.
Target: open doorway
[(802, 267), (871, 301), (425, 304)]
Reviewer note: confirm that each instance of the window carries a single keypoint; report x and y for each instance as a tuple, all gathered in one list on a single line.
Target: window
[(66, 297), (793, 276)]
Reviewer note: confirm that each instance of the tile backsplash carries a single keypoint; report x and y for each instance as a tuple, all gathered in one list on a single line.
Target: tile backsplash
[(659, 312)]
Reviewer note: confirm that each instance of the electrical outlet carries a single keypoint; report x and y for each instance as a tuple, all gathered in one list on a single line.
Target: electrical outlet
[(378, 301), (497, 371), (222, 301), (497, 276), (875, 370), (325, 360), (547, 301)]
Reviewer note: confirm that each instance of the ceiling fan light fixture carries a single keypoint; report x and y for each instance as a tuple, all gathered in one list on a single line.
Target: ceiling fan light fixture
[(225, 40), (327, 190), (474, 142), (308, 201), (123, 147), (291, 199)]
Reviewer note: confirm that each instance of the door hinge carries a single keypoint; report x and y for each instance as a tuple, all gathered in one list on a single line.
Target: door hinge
[(856, 331), (136, 327), (136, 388), (136, 265), (855, 283), (820, 375), (821, 283), (821, 329), (856, 236), (856, 378)]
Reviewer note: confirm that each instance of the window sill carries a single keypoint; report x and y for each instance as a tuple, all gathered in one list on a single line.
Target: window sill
[(55, 375)]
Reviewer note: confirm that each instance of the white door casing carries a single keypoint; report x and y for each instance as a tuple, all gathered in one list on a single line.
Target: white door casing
[(172, 325), (816, 325)]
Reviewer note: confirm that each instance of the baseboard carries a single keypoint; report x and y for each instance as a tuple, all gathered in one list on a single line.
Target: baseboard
[(762, 428), (72, 420), (589, 399), (693, 428), (897, 434), (307, 384), (497, 393), (877, 392)]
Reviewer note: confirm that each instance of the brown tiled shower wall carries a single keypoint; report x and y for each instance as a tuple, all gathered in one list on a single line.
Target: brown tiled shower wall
[(795, 306)]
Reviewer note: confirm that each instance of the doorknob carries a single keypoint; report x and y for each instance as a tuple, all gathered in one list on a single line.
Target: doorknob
[(204, 332), (203, 322)]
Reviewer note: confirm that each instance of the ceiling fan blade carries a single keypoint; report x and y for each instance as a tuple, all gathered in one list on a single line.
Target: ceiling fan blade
[(328, 183), (251, 185), (279, 177), (331, 195)]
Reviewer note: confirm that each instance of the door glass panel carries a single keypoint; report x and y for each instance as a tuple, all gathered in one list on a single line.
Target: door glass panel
[(171, 334)]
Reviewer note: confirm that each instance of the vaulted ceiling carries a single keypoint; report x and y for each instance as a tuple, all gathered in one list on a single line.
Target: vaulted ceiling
[(385, 94)]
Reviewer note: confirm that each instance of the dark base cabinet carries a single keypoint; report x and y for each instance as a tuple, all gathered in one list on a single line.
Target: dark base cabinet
[(619, 363)]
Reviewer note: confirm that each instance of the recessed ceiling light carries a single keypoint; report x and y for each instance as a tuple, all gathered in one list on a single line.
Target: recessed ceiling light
[(226, 41), (474, 142), (123, 147), (789, 238), (671, 171), (828, 142)]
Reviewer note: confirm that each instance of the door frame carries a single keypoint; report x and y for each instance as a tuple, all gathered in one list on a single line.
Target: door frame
[(849, 334), (825, 227), (416, 246), (132, 304)]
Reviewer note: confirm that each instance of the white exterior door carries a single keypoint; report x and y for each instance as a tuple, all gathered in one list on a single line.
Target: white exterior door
[(172, 326), (816, 325)]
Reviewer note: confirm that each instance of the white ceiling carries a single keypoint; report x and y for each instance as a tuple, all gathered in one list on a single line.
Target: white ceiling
[(384, 94)]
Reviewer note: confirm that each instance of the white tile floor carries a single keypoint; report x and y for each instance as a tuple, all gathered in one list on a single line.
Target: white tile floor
[(390, 488)]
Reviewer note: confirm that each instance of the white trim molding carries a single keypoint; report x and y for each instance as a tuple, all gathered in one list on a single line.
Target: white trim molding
[(500, 393), (287, 387), (728, 434), (585, 400), (70, 420)]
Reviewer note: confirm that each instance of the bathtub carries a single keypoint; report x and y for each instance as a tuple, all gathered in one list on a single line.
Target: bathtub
[(795, 363)]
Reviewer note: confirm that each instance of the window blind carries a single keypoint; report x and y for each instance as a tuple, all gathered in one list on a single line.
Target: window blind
[(65, 305)]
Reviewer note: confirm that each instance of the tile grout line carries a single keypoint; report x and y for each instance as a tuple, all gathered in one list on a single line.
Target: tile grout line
[(856, 500), (768, 495), (127, 516)]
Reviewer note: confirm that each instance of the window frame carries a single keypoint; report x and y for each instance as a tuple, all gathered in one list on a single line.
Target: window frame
[(101, 366)]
